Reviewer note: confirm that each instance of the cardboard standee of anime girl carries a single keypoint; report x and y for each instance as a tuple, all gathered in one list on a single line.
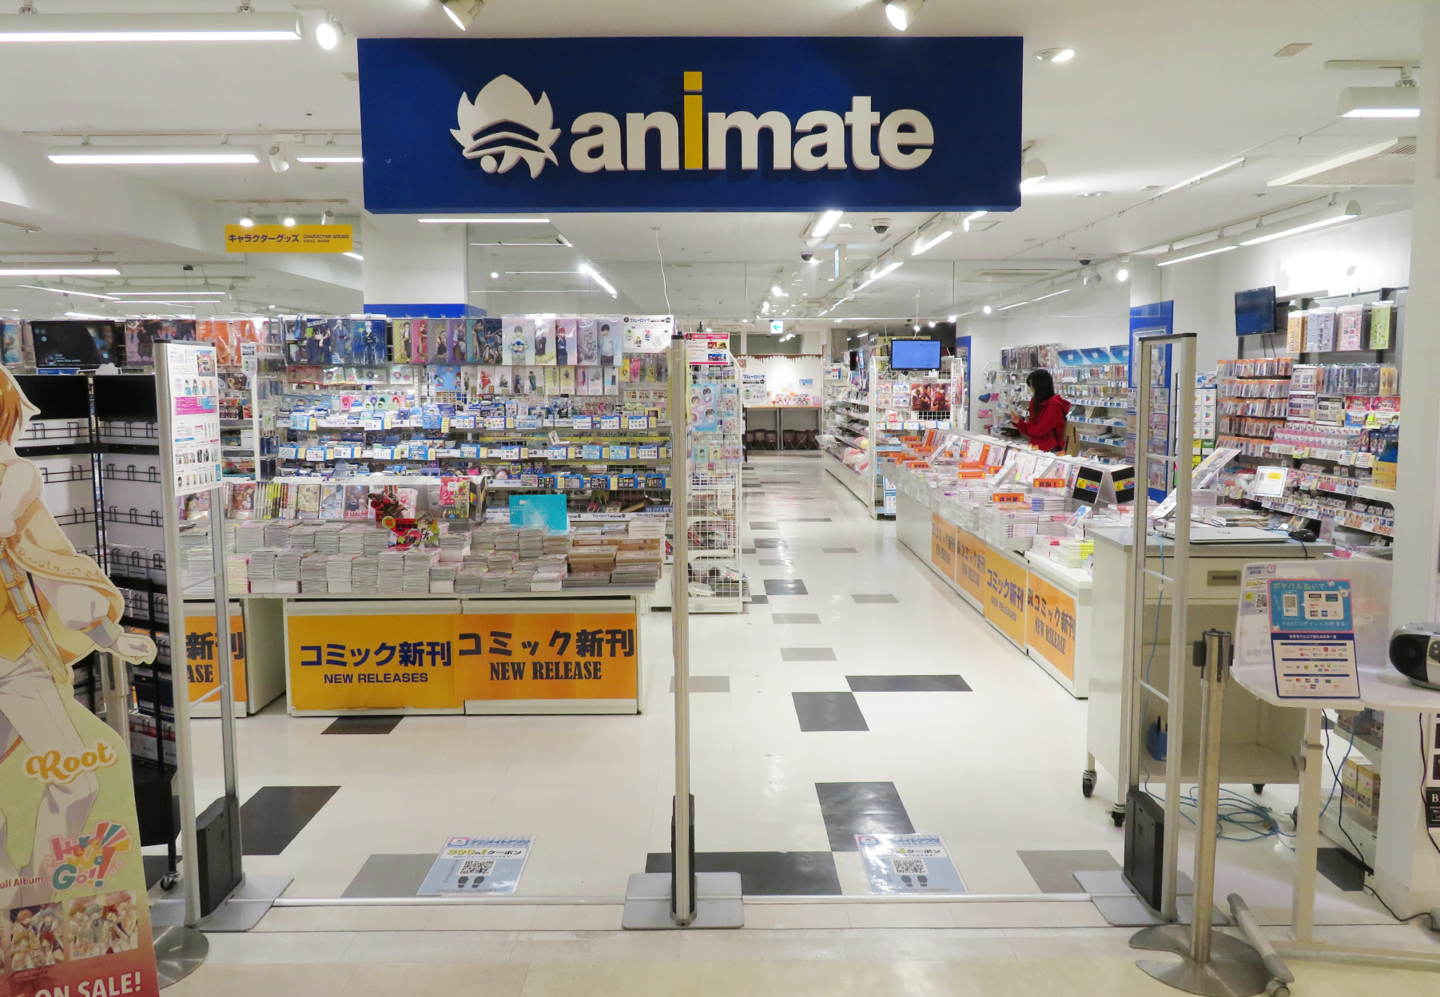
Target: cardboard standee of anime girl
[(69, 838)]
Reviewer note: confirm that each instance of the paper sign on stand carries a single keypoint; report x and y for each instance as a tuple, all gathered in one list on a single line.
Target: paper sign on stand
[(1312, 639), (478, 865), (908, 863)]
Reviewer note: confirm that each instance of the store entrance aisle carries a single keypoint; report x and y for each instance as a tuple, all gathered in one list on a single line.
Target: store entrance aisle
[(856, 694)]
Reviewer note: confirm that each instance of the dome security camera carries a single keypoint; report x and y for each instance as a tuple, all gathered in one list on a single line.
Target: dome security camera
[(807, 257), (1085, 261), (880, 225)]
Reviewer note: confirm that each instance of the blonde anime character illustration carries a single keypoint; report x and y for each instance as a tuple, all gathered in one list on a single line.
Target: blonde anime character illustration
[(57, 606)]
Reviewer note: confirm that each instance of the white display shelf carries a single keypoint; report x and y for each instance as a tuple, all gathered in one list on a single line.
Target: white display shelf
[(857, 482)]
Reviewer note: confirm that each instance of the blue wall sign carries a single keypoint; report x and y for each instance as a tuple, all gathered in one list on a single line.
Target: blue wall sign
[(690, 124)]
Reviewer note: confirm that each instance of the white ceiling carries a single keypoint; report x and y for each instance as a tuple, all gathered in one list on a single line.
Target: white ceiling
[(1157, 93)]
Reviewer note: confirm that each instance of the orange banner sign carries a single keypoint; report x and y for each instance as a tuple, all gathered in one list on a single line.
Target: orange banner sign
[(1005, 596), (942, 545), (970, 554), (1050, 624), (202, 657)]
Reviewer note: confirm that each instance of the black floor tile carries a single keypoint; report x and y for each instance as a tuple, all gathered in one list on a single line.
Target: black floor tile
[(272, 818), (807, 654), (822, 711), (759, 600), (838, 550), (1341, 868), (785, 586), (882, 597), (764, 526), (363, 725), (390, 876), (768, 543), (766, 873), (852, 808), (907, 683), (1054, 871), (795, 617)]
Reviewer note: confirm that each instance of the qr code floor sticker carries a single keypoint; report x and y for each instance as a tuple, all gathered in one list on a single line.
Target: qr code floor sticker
[(908, 863), (478, 865)]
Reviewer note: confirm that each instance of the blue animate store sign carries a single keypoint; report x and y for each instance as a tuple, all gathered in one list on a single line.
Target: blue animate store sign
[(690, 124)]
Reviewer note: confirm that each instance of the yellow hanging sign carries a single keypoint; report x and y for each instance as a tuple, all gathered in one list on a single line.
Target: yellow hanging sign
[(289, 239)]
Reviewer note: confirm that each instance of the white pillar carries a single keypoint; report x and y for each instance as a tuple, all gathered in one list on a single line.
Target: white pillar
[(419, 267), (1407, 871)]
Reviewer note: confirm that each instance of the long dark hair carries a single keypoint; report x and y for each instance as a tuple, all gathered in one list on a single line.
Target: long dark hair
[(1042, 385)]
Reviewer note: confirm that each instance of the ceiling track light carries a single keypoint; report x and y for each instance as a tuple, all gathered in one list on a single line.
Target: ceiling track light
[(924, 245), (1032, 173), (240, 27), (462, 12), (901, 13), (971, 217), (328, 33), (1055, 54), (1335, 162), (278, 162), (1331, 215), (1197, 251), (1400, 101), (1223, 167)]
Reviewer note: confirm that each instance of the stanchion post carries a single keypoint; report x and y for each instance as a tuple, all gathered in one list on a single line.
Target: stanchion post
[(682, 832)]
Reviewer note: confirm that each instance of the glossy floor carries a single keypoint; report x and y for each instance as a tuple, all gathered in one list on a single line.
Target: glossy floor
[(858, 693)]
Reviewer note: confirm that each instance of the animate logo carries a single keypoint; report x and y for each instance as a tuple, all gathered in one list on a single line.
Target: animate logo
[(505, 124)]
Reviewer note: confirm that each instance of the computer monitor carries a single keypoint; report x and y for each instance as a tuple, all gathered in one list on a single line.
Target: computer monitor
[(915, 354), (1255, 311)]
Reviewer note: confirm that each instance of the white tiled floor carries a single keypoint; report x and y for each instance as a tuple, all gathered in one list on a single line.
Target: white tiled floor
[(996, 770)]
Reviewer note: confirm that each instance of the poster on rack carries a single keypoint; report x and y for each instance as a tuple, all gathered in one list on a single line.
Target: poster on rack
[(648, 334), (193, 391), (74, 918)]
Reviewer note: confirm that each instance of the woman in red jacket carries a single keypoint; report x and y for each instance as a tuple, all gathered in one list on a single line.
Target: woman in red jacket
[(1045, 429)]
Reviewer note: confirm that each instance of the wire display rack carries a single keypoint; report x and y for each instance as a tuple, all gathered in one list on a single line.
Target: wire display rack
[(714, 424)]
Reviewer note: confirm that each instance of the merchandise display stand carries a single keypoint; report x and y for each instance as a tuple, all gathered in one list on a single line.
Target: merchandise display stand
[(683, 898), (1380, 687), (189, 437), (853, 428), (713, 494)]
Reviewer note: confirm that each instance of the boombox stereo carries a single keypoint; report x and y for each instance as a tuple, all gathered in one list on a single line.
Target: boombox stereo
[(1415, 653)]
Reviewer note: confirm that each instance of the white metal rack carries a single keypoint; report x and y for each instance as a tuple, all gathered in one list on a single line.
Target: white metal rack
[(714, 420)]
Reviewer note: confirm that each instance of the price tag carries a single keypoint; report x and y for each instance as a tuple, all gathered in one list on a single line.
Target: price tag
[(1009, 498), (1050, 483)]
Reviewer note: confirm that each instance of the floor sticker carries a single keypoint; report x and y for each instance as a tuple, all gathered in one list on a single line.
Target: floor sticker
[(478, 865), (908, 863)]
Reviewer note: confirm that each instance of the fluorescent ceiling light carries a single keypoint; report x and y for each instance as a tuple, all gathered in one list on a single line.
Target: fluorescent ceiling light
[(462, 12), (971, 217), (825, 224), (1204, 176), (327, 154), (1006, 308), (1334, 162), (1196, 251), (1035, 170), (1332, 215), (64, 290), (777, 291), (901, 13), (58, 272), (169, 294), (1055, 54), (249, 27), (890, 267), (1380, 102), (1054, 294), (162, 155), (484, 221), (921, 245), (594, 274), (354, 256), (87, 315)]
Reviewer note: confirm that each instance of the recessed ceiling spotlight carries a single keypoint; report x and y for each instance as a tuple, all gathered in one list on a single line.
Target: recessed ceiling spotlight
[(1122, 275), (952, 318), (1055, 54), (247, 220), (1093, 193), (987, 309), (288, 221), (494, 275), (901, 13), (1033, 172)]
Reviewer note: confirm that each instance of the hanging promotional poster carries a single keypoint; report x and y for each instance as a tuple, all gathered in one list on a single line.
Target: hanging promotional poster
[(74, 919), (194, 417)]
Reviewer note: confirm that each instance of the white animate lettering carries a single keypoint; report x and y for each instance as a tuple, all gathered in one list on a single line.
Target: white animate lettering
[(901, 140), (505, 126)]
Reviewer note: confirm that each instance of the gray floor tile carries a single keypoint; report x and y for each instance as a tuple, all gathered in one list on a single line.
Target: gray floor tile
[(272, 818), (785, 586), (852, 808), (759, 600), (747, 550), (807, 654), (881, 597), (907, 683), (705, 683), (766, 873), (768, 543), (795, 617), (1054, 871), (776, 562), (764, 526), (828, 711), (390, 876), (839, 550), (363, 725), (813, 519)]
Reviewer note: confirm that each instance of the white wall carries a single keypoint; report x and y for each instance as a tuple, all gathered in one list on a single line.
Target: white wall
[(1359, 256), (786, 373), (407, 264)]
